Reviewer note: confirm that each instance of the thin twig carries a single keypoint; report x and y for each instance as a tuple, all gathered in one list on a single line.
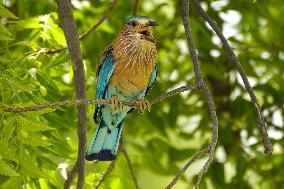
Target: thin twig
[(213, 143), (103, 18), (53, 51), (211, 148), (70, 31), (104, 175), (96, 101), (205, 89), (109, 168), (123, 150), (185, 167), (71, 175), (93, 28), (135, 7), (192, 51), (262, 125)]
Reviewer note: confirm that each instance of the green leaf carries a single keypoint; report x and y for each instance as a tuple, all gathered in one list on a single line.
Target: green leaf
[(42, 90), (30, 23), (6, 170), (9, 128), (58, 35), (13, 182), (38, 112), (33, 125), (30, 167), (47, 163), (6, 153), (6, 13), (4, 33), (13, 84), (31, 138)]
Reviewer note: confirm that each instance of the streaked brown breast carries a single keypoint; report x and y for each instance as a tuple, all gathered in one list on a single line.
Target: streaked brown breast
[(135, 61)]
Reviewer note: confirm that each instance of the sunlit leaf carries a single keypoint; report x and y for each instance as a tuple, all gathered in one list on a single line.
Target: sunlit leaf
[(4, 33), (6, 13), (6, 170), (34, 125)]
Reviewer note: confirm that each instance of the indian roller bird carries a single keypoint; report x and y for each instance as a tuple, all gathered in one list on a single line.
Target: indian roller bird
[(127, 70)]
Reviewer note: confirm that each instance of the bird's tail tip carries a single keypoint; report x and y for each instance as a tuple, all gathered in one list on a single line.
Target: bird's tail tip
[(103, 155)]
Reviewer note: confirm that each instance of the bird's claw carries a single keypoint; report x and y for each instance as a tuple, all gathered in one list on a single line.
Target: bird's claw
[(116, 104), (144, 105)]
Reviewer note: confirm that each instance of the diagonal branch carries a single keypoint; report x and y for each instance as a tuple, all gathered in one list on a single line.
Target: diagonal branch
[(103, 18), (96, 101), (186, 166), (73, 44), (70, 176), (107, 172), (109, 168), (211, 148), (123, 150), (263, 129), (93, 28)]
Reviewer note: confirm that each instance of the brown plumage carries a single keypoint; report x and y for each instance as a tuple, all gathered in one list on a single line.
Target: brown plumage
[(135, 58)]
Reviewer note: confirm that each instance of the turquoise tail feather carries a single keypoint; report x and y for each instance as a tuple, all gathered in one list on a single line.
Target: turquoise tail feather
[(104, 144)]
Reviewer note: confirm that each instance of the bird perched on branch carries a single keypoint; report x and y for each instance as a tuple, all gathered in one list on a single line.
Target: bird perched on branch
[(127, 70)]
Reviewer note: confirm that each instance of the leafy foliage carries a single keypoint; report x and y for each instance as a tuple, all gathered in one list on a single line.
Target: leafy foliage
[(37, 148)]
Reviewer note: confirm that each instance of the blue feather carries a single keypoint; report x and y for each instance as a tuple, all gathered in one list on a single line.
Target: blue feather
[(152, 79), (105, 141), (105, 73)]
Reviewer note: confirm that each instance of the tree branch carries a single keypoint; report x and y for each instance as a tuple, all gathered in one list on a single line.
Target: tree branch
[(70, 176), (262, 125), (93, 28), (73, 44), (103, 18), (107, 172), (109, 168), (135, 7), (185, 167), (123, 150), (211, 148), (212, 145), (96, 101)]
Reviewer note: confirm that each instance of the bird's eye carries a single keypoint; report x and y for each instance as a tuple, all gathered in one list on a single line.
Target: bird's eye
[(134, 23)]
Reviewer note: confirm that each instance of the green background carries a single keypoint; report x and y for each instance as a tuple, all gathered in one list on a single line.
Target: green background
[(36, 148)]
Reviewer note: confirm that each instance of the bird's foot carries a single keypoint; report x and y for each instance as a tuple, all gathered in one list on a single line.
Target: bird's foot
[(144, 105), (116, 104)]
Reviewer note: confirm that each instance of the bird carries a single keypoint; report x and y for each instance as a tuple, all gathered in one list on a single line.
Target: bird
[(127, 71)]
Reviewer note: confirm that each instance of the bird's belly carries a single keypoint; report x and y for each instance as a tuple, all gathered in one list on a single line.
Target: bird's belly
[(131, 81), (133, 84)]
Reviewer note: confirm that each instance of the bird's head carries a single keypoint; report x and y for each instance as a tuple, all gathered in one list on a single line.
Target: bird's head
[(141, 27)]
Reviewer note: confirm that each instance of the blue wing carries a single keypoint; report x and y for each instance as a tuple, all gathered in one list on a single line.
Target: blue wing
[(105, 71), (152, 79)]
